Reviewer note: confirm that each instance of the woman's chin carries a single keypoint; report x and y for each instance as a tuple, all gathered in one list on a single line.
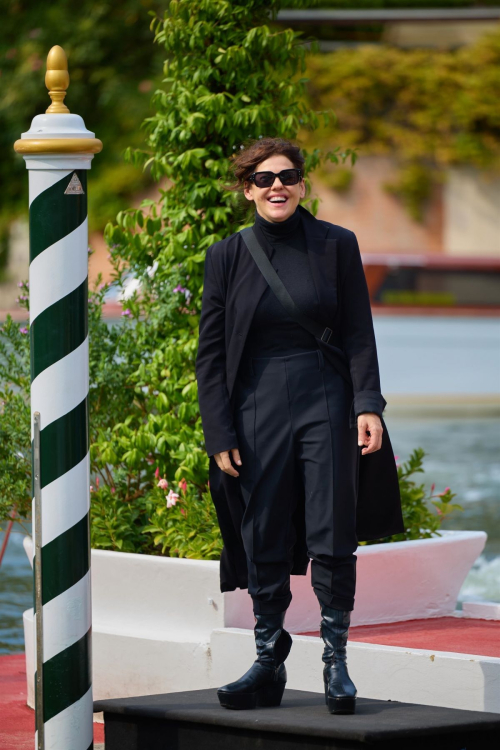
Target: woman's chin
[(279, 213)]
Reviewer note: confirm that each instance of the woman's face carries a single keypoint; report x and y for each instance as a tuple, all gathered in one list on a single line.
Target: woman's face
[(278, 202)]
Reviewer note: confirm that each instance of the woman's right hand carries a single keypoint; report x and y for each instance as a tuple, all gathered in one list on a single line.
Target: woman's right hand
[(223, 461)]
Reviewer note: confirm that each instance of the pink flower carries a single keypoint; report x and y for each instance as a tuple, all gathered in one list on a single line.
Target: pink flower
[(127, 313), (396, 458), (97, 482), (20, 285), (183, 511), (439, 512), (91, 488), (157, 473), (23, 330), (113, 490), (171, 498), (433, 487), (183, 484), (163, 484), (446, 489)]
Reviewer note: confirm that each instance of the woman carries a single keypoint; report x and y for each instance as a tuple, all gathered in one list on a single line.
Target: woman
[(292, 423)]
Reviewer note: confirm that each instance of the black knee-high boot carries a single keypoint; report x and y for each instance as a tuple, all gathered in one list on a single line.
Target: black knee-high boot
[(340, 692), (264, 683)]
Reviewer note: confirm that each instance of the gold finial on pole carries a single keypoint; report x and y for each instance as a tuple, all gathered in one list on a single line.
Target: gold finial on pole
[(54, 135), (57, 80)]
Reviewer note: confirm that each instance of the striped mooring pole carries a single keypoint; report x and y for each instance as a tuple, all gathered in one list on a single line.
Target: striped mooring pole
[(58, 149)]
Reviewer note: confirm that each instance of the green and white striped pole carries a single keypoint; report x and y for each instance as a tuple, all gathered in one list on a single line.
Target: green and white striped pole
[(58, 150)]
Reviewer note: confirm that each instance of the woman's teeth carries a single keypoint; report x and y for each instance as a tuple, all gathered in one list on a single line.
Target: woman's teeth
[(278, 200)]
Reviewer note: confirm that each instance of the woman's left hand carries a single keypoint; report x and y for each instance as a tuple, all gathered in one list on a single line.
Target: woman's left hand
[(369, 432)]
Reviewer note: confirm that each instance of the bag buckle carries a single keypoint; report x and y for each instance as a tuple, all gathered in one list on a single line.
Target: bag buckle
[(325, 336)]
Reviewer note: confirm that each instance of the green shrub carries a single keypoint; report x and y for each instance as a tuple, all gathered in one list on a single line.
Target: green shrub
[(229, 77)]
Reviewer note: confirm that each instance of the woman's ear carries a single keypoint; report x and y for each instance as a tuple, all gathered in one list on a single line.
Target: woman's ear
[(302, 188), (247, 191)]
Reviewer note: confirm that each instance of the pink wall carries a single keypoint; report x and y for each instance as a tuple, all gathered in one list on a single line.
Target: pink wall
[(381, 222)]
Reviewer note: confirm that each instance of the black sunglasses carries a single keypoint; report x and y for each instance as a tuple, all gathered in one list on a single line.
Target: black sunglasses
[(266, 179)]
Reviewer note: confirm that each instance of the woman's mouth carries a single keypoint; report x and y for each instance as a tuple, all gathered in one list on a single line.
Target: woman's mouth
[(278, 200)]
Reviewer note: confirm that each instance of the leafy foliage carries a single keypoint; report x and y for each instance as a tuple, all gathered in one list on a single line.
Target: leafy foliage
[(428, 108), (15, 442), (227, 74), (113, 68)]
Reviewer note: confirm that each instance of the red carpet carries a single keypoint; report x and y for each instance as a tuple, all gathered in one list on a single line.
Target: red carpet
[(17, 721), (462, 635)]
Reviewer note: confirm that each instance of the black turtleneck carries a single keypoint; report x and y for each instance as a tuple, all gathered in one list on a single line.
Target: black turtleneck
[(273, 332)]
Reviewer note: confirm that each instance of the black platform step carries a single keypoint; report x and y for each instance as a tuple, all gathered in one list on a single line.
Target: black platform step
[(194, 720)]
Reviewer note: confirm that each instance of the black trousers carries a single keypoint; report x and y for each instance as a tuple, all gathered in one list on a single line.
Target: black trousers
[(292, 421)]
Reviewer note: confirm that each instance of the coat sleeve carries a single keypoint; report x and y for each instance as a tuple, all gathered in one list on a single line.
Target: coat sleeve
[(213, 397), (358, 337)]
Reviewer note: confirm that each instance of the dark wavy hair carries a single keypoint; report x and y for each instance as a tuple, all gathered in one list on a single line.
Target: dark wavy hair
[(245, 162)]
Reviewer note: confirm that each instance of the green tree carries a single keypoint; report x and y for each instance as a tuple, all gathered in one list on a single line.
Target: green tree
[(113, 69), (229, 77)]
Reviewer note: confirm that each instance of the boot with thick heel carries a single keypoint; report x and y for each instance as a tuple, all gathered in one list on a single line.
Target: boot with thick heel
[(264, 683), (340, 691)]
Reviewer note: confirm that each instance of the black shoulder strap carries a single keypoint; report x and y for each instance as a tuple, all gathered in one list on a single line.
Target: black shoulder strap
[(279, 289)]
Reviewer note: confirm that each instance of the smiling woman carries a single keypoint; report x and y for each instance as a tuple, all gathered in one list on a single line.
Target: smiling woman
[(289, 416), (270, 173)]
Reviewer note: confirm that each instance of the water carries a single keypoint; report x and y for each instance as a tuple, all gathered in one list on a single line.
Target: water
[(462, 453), (432, 355), (16, 592)]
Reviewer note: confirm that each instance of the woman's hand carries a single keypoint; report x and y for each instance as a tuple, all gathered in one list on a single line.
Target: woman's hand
[(369, 432), (224, 462)]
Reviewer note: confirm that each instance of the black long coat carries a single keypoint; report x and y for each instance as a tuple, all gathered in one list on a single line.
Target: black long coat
[(233, 286)]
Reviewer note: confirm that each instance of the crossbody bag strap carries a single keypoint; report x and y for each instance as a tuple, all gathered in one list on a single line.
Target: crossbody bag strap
[(266, 268)]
